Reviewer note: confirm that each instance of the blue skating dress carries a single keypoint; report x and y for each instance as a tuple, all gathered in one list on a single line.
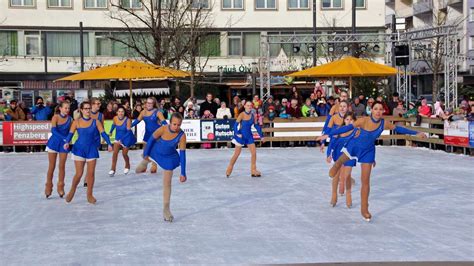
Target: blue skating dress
[(362, 147), (163, 152), (97, 133), (151, 125), (85, 146), (126, 136), (245, 131), (59, 134), (341, 143), (335, 146)]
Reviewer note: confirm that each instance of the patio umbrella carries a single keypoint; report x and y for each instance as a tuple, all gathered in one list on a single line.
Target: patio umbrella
[(128, 70), (347, 67)]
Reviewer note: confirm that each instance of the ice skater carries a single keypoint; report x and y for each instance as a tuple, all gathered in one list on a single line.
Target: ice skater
[(362, 148), (60, 125), (243, 136), (99, 117), (345, 173), (334, 110), (85, 150), (154, 119), (124, 138), (161, 149)]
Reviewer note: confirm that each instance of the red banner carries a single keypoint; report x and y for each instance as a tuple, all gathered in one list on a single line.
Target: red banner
[(26, 133)]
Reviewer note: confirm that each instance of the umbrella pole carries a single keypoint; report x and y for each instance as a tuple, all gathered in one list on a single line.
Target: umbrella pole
[(131, 96), (350, 87)]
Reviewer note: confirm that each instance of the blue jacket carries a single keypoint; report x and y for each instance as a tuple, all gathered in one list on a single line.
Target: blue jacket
[(41, 113)]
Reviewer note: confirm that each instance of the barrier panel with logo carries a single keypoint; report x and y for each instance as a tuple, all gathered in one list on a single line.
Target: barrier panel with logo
[(26, 133), (458, 133)]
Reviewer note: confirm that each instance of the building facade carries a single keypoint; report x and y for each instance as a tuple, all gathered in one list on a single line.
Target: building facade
[(26, 26)]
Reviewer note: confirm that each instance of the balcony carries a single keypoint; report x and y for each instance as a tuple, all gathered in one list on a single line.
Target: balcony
[(454, 2), (422, 6)]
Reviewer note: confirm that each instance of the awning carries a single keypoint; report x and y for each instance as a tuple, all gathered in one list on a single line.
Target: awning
[(140, 91)]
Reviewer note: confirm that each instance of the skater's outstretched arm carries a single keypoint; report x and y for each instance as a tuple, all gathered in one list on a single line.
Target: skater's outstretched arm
[(149, 144), (403, 130), (139, 119), (72, 130), (161, 118), (182, 158), (112, 127), (100, 127)]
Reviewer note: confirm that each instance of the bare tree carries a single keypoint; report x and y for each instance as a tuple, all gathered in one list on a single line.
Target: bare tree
[(164, 32)]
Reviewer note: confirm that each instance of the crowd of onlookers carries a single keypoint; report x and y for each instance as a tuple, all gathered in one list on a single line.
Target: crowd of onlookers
[(290, 106)]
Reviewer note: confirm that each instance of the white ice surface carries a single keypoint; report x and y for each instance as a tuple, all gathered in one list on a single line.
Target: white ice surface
[(422, 202)]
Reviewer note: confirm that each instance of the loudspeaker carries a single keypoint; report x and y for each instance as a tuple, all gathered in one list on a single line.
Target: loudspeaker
[(402, 50), (402, 60)]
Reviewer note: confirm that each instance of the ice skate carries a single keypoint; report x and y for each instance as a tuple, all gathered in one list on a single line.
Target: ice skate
[(91, 199), (48, 190), (167, 216), (126, 171), (111, 173), (70, 195), (85, 184), (333, 200), (364, 205), (141, 167), (61, 189), (256, 173)]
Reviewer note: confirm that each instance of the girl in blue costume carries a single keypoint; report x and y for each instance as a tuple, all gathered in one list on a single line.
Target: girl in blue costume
[(334, 109), (243, 136), (161, 149), (124, 139), (85, 150), (60, 125), (154, 119), (345, 172), (99, 117), (362, 148)]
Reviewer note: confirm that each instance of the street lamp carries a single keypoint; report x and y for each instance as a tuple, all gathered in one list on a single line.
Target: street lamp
[(254, 78)]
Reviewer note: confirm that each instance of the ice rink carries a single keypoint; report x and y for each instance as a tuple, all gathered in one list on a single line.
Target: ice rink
[(422, 202)]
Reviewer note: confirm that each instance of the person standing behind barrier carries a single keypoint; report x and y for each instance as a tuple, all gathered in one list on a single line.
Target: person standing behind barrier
[(60, 126), (109, 112), (362, 148), (368, 108), (243, 136), (154, 119), (161, 149), (39, 111), (223, 112), (85, 150), (358, 108), (124, 138), (208, 104), (14, 113)]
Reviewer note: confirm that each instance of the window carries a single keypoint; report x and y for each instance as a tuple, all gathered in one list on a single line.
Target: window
[(329, 4), (8, 43), (210, 45), (471, 15), (59, 3), (103, 45), (265, 4), (22, 3), (235, 44), (297, 4), (132, 4), (95, 3), (252, 44), (471, 43), (32, 43), (66, 44), (232, 4), (200, 4), (360, 4), (165, 4)]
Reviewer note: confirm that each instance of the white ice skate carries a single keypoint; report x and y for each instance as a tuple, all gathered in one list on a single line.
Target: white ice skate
[(126, 171), (111, 173)]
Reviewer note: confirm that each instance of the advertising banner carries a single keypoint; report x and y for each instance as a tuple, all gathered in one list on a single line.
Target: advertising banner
[(192, 129), (26, 133), (457, 133), (223, 129), (471, 134), (207, 130)]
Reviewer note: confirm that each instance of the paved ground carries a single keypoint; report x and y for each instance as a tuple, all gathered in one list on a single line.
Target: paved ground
[(422, 202)]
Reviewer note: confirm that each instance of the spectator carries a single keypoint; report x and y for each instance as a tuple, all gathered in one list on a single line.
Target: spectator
[(137, 110), (109, 113), (322, 108), (128, 109), (319, 95), (358, 108), (217, 101), (207, 115), (295, 95), (465, 106), (412, 111), (394, 103), (362, 99), (470, 116), (223, 112), (3, 108), (330, 102), (284, 103), (257, 103), (39, 111), (189, 106), (271, 114), (73, 103), (26, 110), (384, 104), (277, 106), (267, 105), (368, 109), (209, 105), (439, 110), (191, 114), (423, 111), (14, 113), (399, 110), (307, 110), (234, 108), (177, 106), (115, 107), (294, 110)]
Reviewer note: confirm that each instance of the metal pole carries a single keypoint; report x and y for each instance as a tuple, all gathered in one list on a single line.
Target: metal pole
[(45, 54), (81, 52), (394, 29), (353, 25), (314, 32)]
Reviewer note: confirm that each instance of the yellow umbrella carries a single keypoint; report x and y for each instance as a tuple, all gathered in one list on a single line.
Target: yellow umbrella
[(128, 70), (347, 67)]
